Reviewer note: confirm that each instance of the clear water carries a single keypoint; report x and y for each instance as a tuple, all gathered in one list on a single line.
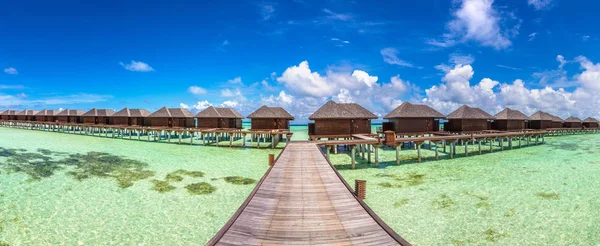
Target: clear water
[(538, 195), (60, 210)]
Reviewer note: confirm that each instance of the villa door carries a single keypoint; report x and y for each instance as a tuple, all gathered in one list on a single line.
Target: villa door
[(170, 123)]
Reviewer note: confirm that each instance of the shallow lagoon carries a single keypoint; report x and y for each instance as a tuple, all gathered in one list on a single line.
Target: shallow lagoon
[(544, 194), (538, 195), (59, 209)]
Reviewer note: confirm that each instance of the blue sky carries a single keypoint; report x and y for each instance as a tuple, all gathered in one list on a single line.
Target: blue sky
[(527, 55)]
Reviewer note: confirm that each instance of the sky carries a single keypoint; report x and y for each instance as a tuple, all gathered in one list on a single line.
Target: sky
[(528, 55)]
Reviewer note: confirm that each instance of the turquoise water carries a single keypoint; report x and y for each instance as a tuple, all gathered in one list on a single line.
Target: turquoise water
[(55, 189), (61, 189), (538, 195)]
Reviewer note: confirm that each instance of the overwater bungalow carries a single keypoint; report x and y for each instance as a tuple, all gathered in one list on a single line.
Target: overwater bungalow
[(590, 122), (340, 119), (557, 122), (27, 115), (572, 122), (97, 116), (466, 119), (130, 117), (509, 120), (212, 117), (72, 116), (540, 120), (172, 117), (413, 118), (9, 115), (270, 118), (47, 115)]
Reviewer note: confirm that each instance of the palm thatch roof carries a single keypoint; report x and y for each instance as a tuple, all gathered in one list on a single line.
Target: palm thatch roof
[(134, 112), (510, 114), (333, 110), (47, 112), (265, 112), (591, 120), (70, 112), (98, 113), (9, 112), (542, 116), (466, 112), (165, 112), (27, 112), (557, 119), (573, 119), (409, 110), (222, 113)]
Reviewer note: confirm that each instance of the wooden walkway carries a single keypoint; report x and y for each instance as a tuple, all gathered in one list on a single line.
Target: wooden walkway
[(302, 200)]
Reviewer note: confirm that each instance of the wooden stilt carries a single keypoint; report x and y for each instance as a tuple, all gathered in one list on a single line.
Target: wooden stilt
[(419, 151), (398, 154), (376, 148), (353, 154)]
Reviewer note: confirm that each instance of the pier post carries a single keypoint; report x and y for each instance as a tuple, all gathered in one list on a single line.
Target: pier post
[(368, 153), (451, 152), (327, 149), (479, 144), (398, 147), (230, 140), (437, 155), (362, 151), (501, 143), (543, 141), (244, 143), (360, 189), (353, 154), (510, 142), (466, 144), (271, 159), (444, 145), (520, 137), (376, 156), (419, 151), (491, 147), (536, 139)]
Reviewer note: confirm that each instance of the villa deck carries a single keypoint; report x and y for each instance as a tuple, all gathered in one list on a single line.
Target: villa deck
[(302, 200)]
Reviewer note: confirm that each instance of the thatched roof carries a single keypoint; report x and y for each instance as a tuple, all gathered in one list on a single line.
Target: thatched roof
[(9, 112), (333, 110), (127, 112), (222, 113), (542, 116), (165, 112), (265, 112), (28, 112), (99, 113), (511, 114), (47, 112), (591, 120), (70, 112), (557, 119), (573, 119), (466, 112), (409, 110)]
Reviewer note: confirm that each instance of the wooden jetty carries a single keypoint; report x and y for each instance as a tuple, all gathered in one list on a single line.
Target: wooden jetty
[(303, 200), (193, 136)]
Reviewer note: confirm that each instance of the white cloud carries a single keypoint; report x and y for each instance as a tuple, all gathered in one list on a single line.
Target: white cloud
[(337, 16), (364, 77), (590, 77), (561, 60), (301, 80), (540, 4), (479, 21), (199, 106), (137, 66), (236, 80), (183, 105), (196, 90), (585, 37), (267, 11), (11, 70), (460, 59), (230, 104), (532, 36), (508, 67), (390, 56), (231, 93), (225, 43)]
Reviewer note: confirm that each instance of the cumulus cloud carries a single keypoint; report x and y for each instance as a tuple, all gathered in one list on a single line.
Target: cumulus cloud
[(540, 4), (479, 21), (137, 66), (236, 80), (196, 90), (11, 70), (390, 56), (532, 36), (199, 106), (267, 11)]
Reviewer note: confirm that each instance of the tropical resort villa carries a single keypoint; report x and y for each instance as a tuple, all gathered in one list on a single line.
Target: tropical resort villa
[(9, 115), (270, 118), (97, 116), (212, 117), (340, 120), (413, 118), (130, 117), (27, 115), (468, 119), (557, 122), (172, 117), (510, 120), (47, 115), (72, 116), (540, 120), (590, 123), (572, 122)]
